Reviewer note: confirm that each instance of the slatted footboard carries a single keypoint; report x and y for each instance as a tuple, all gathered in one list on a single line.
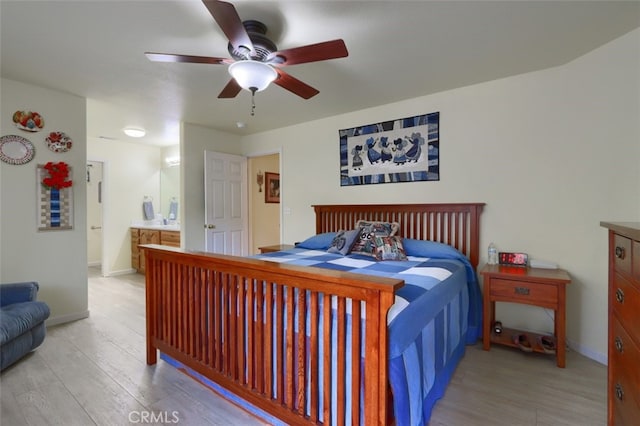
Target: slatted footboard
[(264, 331), (281, 336)]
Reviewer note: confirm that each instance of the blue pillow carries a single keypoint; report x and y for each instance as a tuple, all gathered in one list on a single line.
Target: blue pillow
[(343, 241), (423, 248), (318, 242)]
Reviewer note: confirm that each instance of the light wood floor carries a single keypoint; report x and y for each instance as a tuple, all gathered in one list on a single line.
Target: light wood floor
[(93, 372)]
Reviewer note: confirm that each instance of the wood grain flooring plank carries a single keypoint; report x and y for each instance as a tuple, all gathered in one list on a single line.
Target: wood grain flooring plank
[(52, 404), (93, 371)]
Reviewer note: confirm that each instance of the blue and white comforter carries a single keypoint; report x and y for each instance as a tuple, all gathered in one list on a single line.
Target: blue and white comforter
[(435, 314)]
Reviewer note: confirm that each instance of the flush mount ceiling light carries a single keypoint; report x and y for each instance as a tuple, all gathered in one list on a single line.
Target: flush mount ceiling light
[(134, 132), (172, 161)]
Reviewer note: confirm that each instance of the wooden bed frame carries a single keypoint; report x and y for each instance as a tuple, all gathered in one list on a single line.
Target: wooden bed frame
[(233, 319)]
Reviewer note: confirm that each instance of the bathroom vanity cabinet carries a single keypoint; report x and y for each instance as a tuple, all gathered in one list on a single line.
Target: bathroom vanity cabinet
[(150, 236)]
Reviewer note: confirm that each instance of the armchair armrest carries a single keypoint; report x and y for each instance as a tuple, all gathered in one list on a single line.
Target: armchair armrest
[(18, 292)]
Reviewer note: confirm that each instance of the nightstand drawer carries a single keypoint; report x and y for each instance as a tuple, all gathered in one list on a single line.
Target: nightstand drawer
[(625, 299), (545, 295)]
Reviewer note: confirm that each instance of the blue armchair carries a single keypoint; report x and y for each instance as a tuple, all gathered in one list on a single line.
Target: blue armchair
[(21, 321)]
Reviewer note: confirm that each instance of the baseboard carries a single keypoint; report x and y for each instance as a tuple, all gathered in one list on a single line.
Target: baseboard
[(121, 272), (96, 263), (62, 319), (589, 353)]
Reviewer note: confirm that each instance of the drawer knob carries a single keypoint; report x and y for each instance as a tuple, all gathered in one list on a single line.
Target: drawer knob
[(521, 290), (619, 345), (619, 252), (620, 295), (619, 392)]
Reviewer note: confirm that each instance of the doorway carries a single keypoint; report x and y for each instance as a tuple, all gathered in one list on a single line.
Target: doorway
[(264, 215), (225, 182), (94, 179)]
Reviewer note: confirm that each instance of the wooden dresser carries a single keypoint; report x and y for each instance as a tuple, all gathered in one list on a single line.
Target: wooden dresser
[(150, 236), (623, 393)]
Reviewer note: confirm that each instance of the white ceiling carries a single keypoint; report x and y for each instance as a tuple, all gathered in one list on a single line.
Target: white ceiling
[(397, 50)]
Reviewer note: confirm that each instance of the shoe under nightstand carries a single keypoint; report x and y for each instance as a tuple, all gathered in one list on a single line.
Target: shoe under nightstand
[(545, 288)]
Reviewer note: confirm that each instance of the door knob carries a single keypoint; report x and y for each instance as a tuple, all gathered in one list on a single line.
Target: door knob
[(210, 226)]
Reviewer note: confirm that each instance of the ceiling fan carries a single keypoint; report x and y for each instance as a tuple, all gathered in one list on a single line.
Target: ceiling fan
[(255, 60)]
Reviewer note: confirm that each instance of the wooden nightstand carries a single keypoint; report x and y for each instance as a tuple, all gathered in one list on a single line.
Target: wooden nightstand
[(545, 288), (277, 247)]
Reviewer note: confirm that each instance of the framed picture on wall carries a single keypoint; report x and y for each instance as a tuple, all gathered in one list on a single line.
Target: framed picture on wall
[(272, 187), (402, 150)]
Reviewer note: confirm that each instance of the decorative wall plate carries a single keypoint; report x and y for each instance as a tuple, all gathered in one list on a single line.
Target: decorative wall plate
[(16, 149), (58, 142), (28, 120)]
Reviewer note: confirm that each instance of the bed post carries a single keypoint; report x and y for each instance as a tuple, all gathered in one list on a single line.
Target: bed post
[(474, 251), (151, 308)]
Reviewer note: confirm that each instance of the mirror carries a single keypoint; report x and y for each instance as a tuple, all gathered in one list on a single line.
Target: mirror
[(170, 193)]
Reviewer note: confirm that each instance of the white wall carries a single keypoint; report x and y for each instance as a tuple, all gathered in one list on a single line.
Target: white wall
[(131, 172), (552, 153), (57, 260), (195, 141)]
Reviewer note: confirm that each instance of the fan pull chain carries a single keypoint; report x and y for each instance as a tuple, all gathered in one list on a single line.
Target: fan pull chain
[(253, 101), (253, 104)]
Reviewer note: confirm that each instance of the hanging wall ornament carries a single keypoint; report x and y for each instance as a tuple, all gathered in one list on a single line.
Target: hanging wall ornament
[(15, 149), (55, 196), (58, 142), (28, 120)]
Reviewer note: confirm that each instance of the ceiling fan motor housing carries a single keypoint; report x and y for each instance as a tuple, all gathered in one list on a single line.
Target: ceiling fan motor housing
[(262, 45)]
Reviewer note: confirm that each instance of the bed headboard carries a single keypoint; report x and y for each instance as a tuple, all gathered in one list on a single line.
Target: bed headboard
[(455, 224)]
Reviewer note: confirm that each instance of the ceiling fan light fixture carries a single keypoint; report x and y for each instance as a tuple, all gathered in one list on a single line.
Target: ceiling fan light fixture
[(253, 76)]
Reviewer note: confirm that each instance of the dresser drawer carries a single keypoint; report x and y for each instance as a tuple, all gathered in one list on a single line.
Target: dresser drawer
[(545, 295), (622, 254), (636, 262), (625, 299), (625, 412), (626, 357), (625, 390)]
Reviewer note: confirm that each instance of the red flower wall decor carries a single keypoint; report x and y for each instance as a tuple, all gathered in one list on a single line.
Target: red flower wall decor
[(58, 175)]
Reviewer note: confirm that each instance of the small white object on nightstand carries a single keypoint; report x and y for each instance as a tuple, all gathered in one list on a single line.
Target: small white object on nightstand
[(535, 263)]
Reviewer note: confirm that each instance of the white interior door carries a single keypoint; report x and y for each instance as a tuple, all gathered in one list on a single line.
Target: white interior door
[(94, 213), (226, 203)]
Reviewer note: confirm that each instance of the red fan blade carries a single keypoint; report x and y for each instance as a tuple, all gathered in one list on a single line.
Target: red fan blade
[(228, 20), (294, 85), (310, 53), (171, 57), (231, 90)]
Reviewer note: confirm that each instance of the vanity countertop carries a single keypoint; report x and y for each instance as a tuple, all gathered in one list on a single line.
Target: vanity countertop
[(142, 225)]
